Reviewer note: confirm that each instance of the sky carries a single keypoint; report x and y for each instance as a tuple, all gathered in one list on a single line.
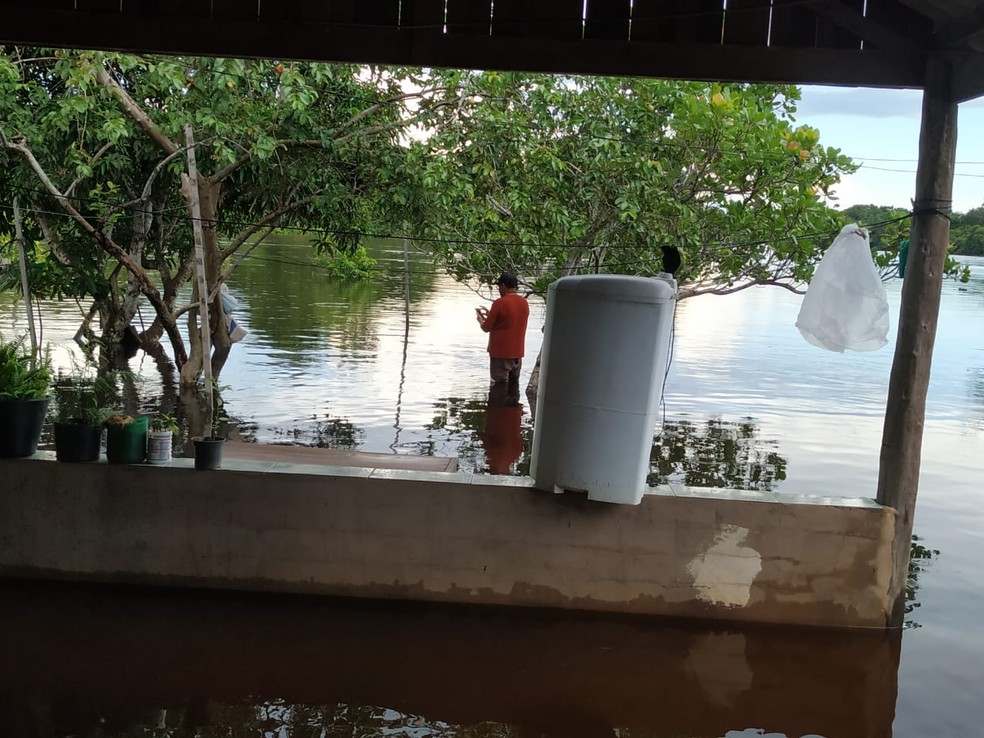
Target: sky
[(880, 129)]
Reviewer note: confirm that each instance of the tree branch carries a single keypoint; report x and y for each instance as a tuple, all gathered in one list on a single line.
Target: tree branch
[(150, 180), (135, 111), (243, 159), (48, 230), (106, 243), (722, 290), (421, 94), (105, 147)]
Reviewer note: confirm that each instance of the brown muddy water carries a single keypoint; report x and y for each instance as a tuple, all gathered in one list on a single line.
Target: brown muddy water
[(109, 663), (748, 404)]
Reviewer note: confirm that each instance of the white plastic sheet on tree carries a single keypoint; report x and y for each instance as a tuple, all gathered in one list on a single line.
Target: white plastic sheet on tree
[(845, 305)]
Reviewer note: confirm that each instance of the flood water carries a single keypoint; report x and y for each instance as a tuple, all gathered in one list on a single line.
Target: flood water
[(748, 403)]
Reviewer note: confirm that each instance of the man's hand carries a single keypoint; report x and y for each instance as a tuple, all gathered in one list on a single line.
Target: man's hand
[(481, 314)]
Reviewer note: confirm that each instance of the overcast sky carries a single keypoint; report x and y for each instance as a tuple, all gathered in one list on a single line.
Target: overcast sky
[(880, 128)]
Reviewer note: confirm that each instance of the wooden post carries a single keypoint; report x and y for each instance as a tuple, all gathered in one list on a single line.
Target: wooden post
[(196, 225), (898, 473), (406, 341), (19, 236)]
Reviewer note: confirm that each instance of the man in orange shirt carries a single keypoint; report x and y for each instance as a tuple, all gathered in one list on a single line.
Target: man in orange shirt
[(505, 323)]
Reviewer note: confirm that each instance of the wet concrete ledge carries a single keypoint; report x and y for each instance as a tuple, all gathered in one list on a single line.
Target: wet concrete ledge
[(448, 537)]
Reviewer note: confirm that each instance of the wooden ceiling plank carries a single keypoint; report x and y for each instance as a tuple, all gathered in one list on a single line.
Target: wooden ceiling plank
[(294, 10), (99, 6), (235, 9), (746, 22), (607, 19), (837, 22), (469, 17), (184, 8), (378, 12), (678, 21), (63, 5), (425, 16), (544, 19), (793, 25)]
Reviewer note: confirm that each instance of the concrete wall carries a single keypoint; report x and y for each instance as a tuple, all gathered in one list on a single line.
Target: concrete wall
[(450, 537)]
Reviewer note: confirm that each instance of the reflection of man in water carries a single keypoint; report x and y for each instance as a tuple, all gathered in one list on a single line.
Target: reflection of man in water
[(505, 323), (501, 435)]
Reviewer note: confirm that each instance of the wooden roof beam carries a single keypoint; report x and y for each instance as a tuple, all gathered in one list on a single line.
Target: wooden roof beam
[(958, 31), (968, 77), (880, 36), (174, 35)]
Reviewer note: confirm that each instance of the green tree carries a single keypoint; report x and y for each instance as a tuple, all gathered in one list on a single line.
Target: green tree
[(889, 226), (881, 221), (547, 176), (967, 232), (96, 152), (973, 217)]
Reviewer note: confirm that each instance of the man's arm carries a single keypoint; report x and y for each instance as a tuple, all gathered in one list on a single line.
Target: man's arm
[(487, 318)]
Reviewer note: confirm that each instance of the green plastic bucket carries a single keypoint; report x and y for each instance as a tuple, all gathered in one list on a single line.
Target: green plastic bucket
[(127, 443)]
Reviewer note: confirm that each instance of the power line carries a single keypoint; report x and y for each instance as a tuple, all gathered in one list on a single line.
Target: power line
[(874, 158), (521, 244), (913, 171), (358, 234)]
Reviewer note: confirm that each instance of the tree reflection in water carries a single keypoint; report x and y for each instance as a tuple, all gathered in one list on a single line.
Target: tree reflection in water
[(326, 432), (211, 719), (713, 453), (716, 453)]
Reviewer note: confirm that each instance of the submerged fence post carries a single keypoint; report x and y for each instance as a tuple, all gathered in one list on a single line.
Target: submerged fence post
[(25, 286), (196, 227), (901, 449)]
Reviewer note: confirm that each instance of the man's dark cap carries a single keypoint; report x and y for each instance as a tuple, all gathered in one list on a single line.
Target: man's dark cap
[(508, 280)]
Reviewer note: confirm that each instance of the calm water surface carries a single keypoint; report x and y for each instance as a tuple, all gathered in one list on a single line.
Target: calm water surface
[(748, 403)]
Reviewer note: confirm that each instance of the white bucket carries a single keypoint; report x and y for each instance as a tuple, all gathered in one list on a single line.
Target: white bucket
[(159, 447)]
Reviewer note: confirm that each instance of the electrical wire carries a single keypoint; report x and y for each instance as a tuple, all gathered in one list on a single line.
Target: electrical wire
[(359, 234)]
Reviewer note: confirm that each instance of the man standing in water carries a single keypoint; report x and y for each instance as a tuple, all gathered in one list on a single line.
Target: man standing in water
[(505, 323)]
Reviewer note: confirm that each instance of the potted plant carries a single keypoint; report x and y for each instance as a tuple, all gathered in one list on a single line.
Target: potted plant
[(160, 438), (23, 399), (79, 418), (126, 439), (208, 449)]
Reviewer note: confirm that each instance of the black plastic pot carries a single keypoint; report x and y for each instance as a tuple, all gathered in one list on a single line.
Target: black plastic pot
[(20, 426), (75, 442), (208, 452)]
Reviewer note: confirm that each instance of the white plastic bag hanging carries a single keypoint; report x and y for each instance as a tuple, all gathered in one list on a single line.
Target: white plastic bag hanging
[(845, 305)]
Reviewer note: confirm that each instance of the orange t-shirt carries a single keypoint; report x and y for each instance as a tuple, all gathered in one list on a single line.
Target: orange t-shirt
[(506, 326)]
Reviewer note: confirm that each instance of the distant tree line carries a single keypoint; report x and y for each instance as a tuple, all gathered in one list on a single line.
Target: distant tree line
[(966, 229)]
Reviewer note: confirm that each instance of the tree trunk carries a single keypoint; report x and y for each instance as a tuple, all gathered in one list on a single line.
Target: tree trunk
[(898, 473), (208, 198)]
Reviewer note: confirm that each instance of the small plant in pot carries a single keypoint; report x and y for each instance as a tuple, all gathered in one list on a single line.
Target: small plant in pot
[(79, 420), (126, 439), (208, 448), (160, 439), (24, 382)]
